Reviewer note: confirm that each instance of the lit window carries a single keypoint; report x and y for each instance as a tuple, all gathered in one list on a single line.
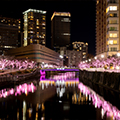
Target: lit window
[(43, 34), (37, 41), (97, 1), (113, 8), (37, 27), (113, 34), (43, 18), (37, 21), (43, 27), (110, 42), (84, 53), (115, 42), (112, 28), (80, 48), (113, 21), (31, 41), (43, 23)]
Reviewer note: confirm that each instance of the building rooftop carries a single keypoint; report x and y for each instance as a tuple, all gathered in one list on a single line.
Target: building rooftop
[(60, 14), (34, 10)]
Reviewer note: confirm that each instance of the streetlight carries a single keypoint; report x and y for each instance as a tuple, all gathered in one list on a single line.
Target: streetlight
[(102, 56), (95, 57), (118, 54)]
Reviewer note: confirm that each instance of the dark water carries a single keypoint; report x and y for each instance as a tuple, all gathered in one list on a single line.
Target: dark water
[(61, 97)]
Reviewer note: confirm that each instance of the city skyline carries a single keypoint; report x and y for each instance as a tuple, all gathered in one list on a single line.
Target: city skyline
[(82, 23)]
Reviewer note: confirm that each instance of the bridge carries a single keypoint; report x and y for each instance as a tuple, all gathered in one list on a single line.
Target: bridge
[(42, 71)]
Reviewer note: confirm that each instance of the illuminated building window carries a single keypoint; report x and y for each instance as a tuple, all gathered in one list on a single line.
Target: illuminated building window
[(43, 18), (80, 48), (113, 21), (43, 27), (37, 27), (113, 35), (111, 8), (31, 41), (113, 15), (110, 42), (43, 34), (37, 41), (43, 23), (115, 42), (30, 31), (37, 21), (43, 42), (84, 53), (112, 28)]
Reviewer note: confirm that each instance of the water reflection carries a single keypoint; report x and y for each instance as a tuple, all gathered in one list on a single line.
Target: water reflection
[(23, 88), (57, 98), (99, 102)]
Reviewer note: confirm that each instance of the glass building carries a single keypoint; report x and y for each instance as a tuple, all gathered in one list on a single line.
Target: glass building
[(60, 30), (34, 27), (9, 32)]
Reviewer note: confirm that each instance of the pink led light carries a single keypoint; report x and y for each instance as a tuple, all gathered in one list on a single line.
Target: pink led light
[(101, 63)]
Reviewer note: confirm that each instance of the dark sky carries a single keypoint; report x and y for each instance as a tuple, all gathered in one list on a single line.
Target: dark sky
[(82, 16)]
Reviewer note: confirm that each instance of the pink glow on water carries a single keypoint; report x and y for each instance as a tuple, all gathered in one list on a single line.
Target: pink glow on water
[(24, 88), (98, 101)]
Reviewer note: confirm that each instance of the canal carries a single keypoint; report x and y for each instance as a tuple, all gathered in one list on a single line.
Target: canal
[(60, 96)]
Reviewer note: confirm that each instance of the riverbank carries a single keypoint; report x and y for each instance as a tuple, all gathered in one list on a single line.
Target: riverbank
[(105, 79), (15, 77)]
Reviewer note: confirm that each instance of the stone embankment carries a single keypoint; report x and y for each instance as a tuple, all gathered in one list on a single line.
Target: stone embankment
[(11, 78), (106, 79)]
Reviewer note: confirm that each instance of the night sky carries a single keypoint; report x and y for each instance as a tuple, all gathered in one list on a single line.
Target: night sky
[(82, 16)]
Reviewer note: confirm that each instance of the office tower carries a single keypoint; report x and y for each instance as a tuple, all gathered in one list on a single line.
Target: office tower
[(34, 27), (60, 30), (82, 47), (9, 31), (107, 27)]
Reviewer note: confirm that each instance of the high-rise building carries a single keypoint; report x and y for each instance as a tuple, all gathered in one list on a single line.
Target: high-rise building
[(9, 32), (60, 30), (107, 27), (82, 47), (34, 27)]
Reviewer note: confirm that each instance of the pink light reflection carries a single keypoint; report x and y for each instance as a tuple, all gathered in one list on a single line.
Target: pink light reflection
[(100, 102), (24, 88)]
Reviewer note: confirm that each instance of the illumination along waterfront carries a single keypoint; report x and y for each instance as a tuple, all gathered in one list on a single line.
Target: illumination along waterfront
[(58, 97)]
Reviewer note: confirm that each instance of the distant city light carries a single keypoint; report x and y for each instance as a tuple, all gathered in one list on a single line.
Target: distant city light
[(60, 56)]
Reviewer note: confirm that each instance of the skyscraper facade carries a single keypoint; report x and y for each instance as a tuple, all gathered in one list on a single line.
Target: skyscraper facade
[(60, 29), (9, 31), (34, 27), (107, 27)]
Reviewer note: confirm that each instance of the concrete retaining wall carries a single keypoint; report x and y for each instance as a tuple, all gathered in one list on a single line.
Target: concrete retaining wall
[(106, 79)]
